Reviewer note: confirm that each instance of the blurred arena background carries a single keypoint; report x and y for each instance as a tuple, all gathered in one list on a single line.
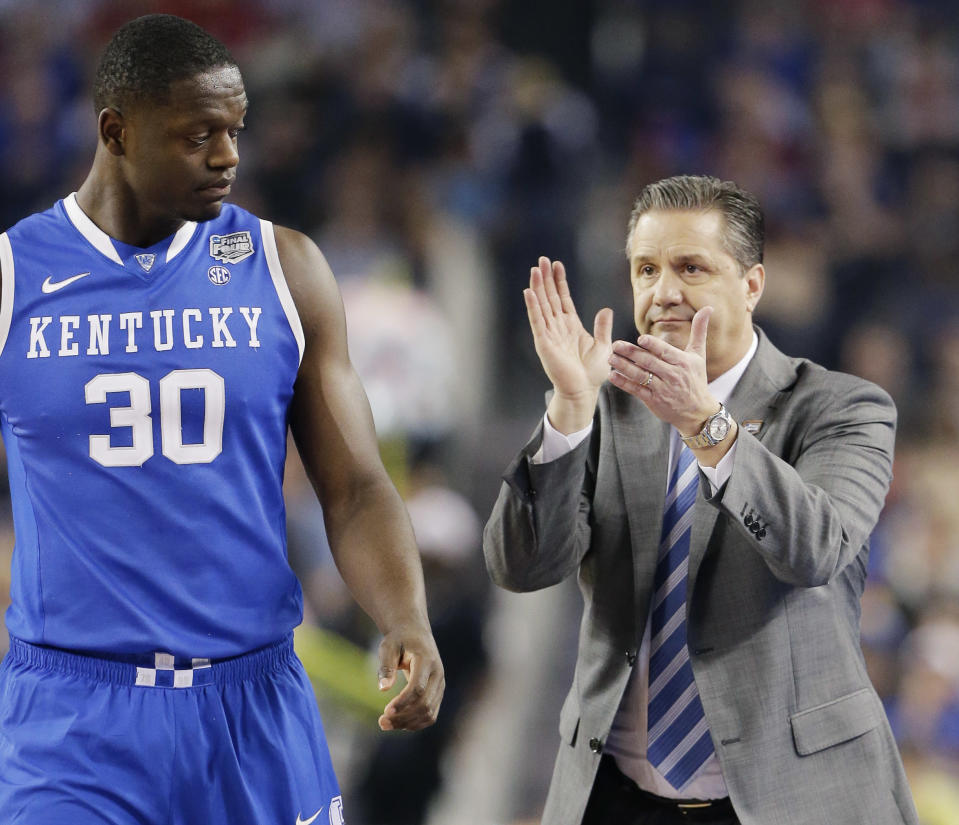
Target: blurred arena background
[(433, 149)]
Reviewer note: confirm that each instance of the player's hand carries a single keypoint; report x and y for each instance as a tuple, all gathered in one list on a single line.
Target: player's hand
[(670, 381), (417, 705), (576, 362)]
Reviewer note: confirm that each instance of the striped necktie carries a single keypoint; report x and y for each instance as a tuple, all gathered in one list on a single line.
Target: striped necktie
[(678, 738)]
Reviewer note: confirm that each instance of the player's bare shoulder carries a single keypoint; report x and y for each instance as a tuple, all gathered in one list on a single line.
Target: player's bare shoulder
[(311, 282)]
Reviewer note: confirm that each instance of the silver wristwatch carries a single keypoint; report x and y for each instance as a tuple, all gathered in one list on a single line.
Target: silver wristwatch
[(715, 429)]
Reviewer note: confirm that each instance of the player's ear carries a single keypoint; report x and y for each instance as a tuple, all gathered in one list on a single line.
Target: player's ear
[(111, 130)]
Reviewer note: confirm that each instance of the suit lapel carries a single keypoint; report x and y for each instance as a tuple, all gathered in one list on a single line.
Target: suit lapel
[(757, 395), (642, 449), (755, 398)]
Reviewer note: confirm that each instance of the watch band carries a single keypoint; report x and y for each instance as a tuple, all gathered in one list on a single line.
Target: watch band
[(703, 439), (698, 441)]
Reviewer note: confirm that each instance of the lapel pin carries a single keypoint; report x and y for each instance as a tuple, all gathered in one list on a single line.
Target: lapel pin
[(753, 426)]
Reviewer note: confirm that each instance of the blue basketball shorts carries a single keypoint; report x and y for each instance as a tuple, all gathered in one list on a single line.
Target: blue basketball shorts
[(161, 741)]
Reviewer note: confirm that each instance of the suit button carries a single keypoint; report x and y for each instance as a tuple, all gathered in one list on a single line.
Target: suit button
[(595, 745), (748, 520), (630, 657)]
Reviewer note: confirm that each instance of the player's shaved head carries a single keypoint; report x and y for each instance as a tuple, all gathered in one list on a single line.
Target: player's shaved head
[(150, 53)]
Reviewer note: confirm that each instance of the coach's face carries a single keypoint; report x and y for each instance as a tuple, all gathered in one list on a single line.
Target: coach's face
[(180, 156), (677, 265)]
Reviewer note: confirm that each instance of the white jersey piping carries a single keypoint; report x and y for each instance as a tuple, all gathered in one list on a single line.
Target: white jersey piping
[(6, 289), (280, 284), (93, 233), (103, 243), (180, 240)]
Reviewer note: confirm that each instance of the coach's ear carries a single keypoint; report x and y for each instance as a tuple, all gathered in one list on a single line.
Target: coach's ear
[(111, 130), (754, 281)]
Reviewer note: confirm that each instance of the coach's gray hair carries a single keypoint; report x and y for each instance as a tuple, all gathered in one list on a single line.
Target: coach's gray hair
[(744, 232)]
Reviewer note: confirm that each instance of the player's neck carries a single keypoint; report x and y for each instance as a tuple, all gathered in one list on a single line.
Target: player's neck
[(112, 205)]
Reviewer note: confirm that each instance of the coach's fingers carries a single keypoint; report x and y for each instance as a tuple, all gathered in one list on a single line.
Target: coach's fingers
[(603, 328), (697, 331), (550, 270)]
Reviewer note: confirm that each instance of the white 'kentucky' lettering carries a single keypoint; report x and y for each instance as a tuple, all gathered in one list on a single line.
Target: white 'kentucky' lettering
[(220, 329), (130, 331), (99, 334), (68, 324), (38, 345), (131, 322)]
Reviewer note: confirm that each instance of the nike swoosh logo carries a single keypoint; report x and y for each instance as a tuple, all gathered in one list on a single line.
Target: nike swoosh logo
[(49, 286), (307, 821)]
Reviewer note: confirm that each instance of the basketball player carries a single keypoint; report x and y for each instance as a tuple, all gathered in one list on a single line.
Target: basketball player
[(155, 344)]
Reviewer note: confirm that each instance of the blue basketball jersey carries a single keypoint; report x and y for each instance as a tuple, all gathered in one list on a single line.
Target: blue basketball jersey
[(144, 400)]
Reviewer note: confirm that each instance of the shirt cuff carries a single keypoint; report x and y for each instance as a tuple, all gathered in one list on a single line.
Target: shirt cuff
[(556, 445), (719, 474)]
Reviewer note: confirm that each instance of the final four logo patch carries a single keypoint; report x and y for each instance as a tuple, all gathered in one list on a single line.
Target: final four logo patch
[(232, 248)]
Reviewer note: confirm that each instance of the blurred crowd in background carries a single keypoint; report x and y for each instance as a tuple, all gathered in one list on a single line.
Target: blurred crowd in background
[(435, 148)]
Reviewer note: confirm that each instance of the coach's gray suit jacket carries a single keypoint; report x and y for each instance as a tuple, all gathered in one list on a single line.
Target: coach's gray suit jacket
[(773, 611)]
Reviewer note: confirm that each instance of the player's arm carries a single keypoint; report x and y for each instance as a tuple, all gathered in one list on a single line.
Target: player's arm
[(366, 521)]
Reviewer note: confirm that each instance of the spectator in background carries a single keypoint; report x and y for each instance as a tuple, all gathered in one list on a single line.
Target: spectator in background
[(925, 711)]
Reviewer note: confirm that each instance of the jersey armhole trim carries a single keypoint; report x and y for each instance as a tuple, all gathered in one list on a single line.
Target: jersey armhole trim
[(281, 286), (6, 289)]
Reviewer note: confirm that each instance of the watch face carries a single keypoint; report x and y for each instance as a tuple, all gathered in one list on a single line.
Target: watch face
[(718, 428)]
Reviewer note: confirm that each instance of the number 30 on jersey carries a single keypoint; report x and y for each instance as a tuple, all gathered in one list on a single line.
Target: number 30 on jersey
[(137, 416)]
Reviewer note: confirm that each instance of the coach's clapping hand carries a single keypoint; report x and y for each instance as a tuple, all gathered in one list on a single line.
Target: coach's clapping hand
[(573, 360)]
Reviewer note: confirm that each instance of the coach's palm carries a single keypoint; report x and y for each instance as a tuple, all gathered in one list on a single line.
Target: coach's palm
[(576, 362)]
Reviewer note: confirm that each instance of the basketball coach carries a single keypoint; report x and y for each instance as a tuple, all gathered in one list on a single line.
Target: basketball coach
[(715, 499)]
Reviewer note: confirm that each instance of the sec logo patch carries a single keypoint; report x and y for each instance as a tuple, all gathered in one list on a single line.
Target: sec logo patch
[(219, 275)]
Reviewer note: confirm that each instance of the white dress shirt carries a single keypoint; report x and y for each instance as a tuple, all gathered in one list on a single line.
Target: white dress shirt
[(627, 738)]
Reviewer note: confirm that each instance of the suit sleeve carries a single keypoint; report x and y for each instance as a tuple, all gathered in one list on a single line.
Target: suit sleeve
[(539, 529), (811, 515)]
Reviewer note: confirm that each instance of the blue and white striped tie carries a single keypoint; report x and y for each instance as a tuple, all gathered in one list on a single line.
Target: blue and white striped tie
[(678, 738)]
